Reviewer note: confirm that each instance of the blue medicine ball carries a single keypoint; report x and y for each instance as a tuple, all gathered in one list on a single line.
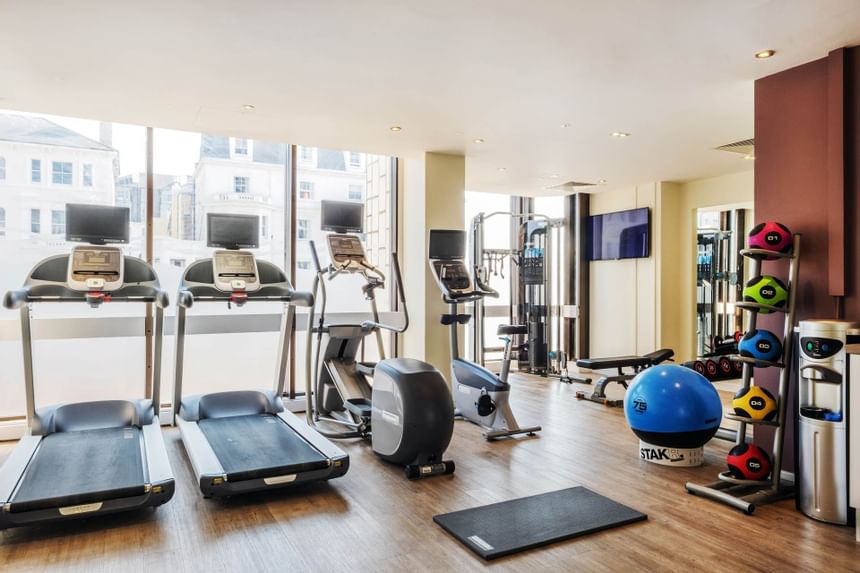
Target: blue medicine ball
[(761, 345), (673, 407)]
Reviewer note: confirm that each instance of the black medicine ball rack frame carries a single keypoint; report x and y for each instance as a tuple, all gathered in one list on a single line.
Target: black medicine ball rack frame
[(747, 494)]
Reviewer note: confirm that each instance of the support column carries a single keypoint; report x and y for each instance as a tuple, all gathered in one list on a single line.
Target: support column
[(431, 196)]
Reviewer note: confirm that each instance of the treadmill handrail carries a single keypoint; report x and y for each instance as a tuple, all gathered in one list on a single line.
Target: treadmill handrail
[(16, 298), (270, 293)]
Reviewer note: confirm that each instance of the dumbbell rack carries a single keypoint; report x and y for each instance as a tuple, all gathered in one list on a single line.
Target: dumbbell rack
[(747, 494)]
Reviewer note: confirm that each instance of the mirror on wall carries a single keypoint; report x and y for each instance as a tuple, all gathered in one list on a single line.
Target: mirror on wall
[(720, 275)]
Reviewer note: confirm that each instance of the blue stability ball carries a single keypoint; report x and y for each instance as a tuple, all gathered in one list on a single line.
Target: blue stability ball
[(673, 407)]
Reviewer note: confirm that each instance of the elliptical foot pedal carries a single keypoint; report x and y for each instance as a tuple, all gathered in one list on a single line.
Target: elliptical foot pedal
[(361, 407), (415, 471)]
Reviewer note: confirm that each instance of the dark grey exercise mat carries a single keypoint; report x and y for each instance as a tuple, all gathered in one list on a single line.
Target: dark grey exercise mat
[(510, 526)]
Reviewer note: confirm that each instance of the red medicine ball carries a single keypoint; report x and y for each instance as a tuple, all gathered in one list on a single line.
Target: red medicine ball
[(770, 236), (748, 461)]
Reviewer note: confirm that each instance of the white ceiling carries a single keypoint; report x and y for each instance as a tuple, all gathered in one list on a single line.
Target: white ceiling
[(677, 74)]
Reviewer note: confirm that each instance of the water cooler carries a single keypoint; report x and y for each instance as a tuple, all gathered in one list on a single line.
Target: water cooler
[(823, 418)]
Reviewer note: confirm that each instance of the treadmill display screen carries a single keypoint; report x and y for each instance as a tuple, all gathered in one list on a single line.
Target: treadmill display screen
[(96, 224), (235, 264), (225, 231), (447, 244)]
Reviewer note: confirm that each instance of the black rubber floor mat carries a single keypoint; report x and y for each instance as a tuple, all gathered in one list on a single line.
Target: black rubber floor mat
[(511, 526), (259, 446), (73, 468)]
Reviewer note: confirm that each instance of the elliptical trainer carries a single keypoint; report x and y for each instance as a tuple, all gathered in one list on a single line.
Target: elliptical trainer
[(479, 395), (407, 413)]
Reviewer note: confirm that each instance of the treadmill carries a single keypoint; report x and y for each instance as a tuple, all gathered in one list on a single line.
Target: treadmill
[(245, 440), (87, 458)]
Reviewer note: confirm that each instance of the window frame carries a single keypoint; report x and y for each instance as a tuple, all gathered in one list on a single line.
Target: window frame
[(87, 175), (245, 150), (62, 173), (2, 168), (246, 184), (2, 221), (35, 221), (310, 190), (35, 170)]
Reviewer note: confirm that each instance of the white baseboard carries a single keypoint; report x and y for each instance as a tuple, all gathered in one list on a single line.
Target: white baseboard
[(12, 429)]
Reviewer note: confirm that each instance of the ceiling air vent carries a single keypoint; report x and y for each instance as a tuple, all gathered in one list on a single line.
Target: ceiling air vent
[(745, 147), (571, 185)]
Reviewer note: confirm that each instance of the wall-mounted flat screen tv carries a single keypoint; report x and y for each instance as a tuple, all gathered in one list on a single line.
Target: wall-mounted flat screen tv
[(619, 235)]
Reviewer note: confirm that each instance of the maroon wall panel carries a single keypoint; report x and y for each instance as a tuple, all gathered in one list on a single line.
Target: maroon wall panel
[(791, 116)]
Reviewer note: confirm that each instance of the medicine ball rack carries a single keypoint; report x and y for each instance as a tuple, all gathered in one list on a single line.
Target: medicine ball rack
[(747, 494)]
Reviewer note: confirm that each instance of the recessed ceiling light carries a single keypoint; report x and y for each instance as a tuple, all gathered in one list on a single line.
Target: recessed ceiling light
[(620, 134), (554, 176), (565, 125), (248, 107), (749, 157), (502, 169), (478, 140), (601, 181), (395, 128), (765, 54)]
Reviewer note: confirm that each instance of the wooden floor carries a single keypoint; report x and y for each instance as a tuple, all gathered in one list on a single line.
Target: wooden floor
[(373, 519)]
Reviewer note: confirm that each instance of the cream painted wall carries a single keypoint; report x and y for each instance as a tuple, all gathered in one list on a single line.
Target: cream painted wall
[(623, 293), (432, 196), (640, 305)]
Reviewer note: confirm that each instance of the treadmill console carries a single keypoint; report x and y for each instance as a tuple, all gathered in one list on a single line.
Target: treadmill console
[(346, 251), (452, 276), (235, 271), (95, 268)]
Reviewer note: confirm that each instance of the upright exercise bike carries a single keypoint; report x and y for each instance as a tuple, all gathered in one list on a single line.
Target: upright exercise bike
[(479, 395), (407, 412)]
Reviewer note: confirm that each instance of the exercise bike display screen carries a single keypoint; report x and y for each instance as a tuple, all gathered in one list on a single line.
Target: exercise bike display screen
[(447, 244)]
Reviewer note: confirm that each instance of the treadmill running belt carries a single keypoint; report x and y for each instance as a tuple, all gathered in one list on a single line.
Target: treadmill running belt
[(259, 446), (75, 468)]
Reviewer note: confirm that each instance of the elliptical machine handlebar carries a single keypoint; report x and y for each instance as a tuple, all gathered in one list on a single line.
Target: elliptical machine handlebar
[(401, 297)]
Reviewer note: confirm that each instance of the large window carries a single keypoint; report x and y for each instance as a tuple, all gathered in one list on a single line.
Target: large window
[(32, 223), (61, 173)]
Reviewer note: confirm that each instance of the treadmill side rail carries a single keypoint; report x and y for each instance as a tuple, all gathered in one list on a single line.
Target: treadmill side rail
[(15, 464), (324, 446), (158, 464), (203, 459)]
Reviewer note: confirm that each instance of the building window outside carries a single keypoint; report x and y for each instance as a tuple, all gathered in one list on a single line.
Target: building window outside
[(240, 146), (356, 193), (240, 184), (303, 265), (306, 190), (306, 153), (177, 263), (88, 175), (35, 171), (35, 221), (58, 222), (264, 227), (2, 168), (61, 173), (303, 229), (2, 222), (354, 159)]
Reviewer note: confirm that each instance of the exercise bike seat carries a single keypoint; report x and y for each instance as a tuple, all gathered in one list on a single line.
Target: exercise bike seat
[(511, 329)]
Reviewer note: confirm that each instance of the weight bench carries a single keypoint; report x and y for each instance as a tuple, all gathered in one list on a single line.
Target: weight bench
[(636, 363)]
